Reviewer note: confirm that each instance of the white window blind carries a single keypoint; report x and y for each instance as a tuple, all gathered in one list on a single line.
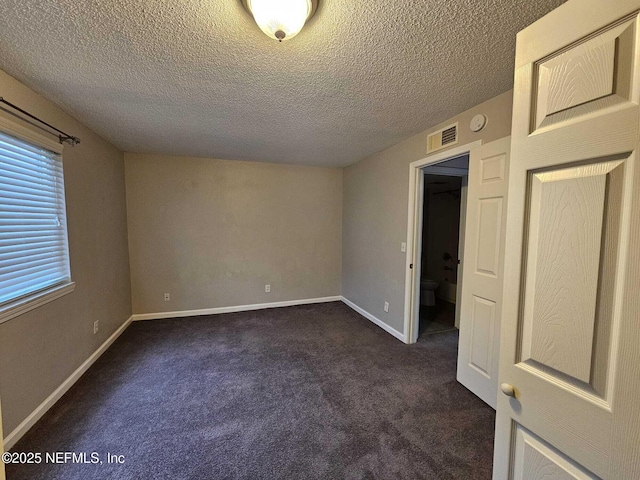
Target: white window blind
[(34, 253)]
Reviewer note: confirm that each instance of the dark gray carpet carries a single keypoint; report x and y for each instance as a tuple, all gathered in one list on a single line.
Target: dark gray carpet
[(308, 392)]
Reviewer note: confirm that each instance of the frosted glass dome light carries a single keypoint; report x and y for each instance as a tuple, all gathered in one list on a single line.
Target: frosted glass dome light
[(281, 19)]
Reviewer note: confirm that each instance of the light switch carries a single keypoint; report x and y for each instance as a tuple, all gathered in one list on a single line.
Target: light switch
[(403, 247)]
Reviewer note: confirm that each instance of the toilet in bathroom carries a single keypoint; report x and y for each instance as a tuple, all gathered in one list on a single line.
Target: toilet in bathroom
[(427, 292)]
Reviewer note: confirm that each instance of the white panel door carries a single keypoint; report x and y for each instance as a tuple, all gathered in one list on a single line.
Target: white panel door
[(482, 276), (570, 346)]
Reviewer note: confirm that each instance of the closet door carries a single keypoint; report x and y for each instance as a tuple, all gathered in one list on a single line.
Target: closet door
[(571, 329)]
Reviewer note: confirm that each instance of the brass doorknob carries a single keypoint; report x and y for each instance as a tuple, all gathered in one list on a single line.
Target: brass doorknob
[(508, 389)]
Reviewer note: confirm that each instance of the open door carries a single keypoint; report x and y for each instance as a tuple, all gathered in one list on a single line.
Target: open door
[(483, 259), (571, 326)]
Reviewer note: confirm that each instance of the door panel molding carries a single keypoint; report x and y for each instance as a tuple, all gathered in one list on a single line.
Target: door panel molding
[(587, 76), (482, 329), (535, 458)]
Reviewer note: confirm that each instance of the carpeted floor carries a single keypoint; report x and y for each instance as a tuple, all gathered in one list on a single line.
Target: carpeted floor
[(308, 392)]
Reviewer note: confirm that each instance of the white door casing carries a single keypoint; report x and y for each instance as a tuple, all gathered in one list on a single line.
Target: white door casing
[(414, 231), (461, 237), (482, 281), (571, 329)]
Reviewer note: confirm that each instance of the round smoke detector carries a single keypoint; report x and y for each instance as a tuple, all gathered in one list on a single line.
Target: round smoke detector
[(478, 123)]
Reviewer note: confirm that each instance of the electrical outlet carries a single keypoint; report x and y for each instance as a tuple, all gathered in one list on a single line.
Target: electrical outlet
[(96, 326), (267, 288), (167, 297), (386, 306)]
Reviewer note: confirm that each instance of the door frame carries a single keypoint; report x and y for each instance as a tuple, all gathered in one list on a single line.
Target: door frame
[(414, 233), (462, 235)]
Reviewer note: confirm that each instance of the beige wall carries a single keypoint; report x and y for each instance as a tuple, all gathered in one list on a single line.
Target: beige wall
[(2, 474), (212, 233), (376, 194), (40, 349)]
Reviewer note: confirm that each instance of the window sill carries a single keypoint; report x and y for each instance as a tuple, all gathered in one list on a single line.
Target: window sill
[(36, 300)]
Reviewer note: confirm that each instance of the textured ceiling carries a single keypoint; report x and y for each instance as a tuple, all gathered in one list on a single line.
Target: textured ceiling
[(198, 78)]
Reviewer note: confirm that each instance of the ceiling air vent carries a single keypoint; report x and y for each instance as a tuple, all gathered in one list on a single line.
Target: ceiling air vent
[(442, 138)]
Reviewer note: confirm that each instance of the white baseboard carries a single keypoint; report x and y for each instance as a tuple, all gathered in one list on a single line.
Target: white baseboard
[(376, 320), (233, 309), (37, 414)]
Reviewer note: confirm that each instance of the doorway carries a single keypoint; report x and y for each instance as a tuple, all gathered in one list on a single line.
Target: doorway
[(435, 163), (482, 266), (443, 223)]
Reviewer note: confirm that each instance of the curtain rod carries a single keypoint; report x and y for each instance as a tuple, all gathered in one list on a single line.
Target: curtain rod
[(62, 136)]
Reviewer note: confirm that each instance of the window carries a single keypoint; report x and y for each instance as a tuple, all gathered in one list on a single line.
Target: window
[(34, 253)]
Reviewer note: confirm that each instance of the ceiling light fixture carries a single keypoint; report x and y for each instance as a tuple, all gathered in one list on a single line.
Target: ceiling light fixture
[(281, 19)]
